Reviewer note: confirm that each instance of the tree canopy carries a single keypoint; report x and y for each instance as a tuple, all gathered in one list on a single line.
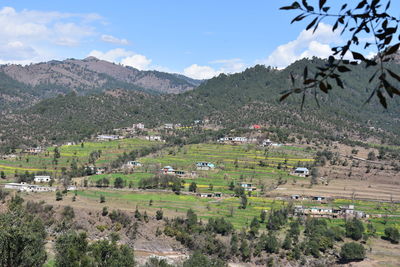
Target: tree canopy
[(370, 18)]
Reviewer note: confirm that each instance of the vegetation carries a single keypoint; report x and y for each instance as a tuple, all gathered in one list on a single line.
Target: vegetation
[(352, 252)]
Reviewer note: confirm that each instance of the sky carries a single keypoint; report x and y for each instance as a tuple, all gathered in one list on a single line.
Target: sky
[(199, 39)]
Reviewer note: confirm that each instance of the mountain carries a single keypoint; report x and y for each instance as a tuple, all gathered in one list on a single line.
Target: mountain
[(230, 101), (87, 76)]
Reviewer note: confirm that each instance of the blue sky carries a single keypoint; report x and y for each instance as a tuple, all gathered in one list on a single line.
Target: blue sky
[(197, 38)]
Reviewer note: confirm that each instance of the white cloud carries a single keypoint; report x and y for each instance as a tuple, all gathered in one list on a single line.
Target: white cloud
[(200, 72), (16, 51), (114, 40), (43, 31), (125, 57), (137, 61), (307, 44), (206, 72)]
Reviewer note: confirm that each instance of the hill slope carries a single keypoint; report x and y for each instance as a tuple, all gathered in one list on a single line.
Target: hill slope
[(87, 76), (232, 101)]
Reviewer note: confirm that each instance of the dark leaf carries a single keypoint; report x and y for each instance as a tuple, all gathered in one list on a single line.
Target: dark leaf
[(305, 73), (372, 77), (308, 81), (343, 68), (284, 96), (361, 4), (298, 18), (387, 6), (394, 75), (316, 99), (358, 56), (312, 23), (335, 26), (343, 7), (321, 3), (393, 49), (388, 88), (323, 87), (303, 100), (382, 99), (370, 97), (339, 82), (326, 9)]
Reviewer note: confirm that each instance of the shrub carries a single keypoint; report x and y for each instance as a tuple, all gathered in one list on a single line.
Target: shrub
[(392, 234), (352, 252)]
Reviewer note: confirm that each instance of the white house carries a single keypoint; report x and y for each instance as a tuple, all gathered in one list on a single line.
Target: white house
[(138, 126), (205, 166), (105, 137), (304, 172), (24, 187), (101, 170), (33, 150), (134, 163), (168, 170), (248, 186), (42, 178), (169, 126), (154, 138)]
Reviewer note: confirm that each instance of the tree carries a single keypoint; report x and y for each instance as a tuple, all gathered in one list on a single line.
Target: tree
[(263, 215), (119, 182), (199, 260), (287, 243), (191, 218), (231, 186), (106, 253), (354, 229), (138, 215), (245, 250), (392, 234), (176, 187), (71, 249), (59, 196), (104, 212), (314, 176), (102, 199), (352, 252), (254, 226), (159, 215), (371, 155), (2, 175), (192, 187), (366, 17), (243, 202), (271, 244), (22, 239)]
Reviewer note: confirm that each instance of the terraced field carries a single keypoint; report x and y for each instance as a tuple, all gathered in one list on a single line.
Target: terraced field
[(233, 163), (44, 161)]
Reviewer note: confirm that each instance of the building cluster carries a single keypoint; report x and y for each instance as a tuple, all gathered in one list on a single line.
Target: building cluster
[(24, 187), (301, 171), (168, 170), (210, 195), (237, 140), (33, 150), (330, 212)]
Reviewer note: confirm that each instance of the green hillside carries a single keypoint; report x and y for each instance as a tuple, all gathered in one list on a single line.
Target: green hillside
[(230, 101)]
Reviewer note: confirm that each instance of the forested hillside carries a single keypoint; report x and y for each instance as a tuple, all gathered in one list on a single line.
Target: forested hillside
[(230, 101), (25, 85)]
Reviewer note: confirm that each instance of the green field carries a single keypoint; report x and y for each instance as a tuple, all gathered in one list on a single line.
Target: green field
[(44, 161), (207, 208), (233, 163)]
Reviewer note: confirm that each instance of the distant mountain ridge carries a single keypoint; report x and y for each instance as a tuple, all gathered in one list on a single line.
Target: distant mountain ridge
[(231, 101), (87, 76)]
